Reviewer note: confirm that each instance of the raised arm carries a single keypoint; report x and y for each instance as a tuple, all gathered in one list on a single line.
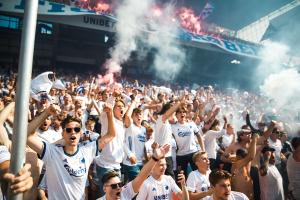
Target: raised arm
[(3, 116), (33, 141), (200, 141), (169, 112), (6, 111), (250, 156), (127, 116), (111, 131), (184, 195), (146, 170), (269, 130), (248, 122)]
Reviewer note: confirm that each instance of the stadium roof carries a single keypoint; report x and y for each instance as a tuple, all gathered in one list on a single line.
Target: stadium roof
[(236, 14)]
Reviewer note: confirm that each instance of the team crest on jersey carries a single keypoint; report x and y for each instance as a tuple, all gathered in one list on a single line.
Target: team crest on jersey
[(153, 189)]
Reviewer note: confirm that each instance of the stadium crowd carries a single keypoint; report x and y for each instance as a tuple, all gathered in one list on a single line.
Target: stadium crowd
[(90, 140)]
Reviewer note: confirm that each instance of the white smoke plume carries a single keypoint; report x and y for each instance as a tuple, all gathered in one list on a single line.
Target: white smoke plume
[(131, 16), (281, 84), (273, 55), (169, 58), (135, 17)]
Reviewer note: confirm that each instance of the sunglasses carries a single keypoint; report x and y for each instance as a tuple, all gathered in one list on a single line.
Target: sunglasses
[(76, 129), (116, 185)]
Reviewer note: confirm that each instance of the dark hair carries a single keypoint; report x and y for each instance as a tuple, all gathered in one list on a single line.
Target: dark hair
[(137, 111), (245, 126), (241, 153), (239, 134), (109, 175), (143, 122), (70, 119), (214, 124), (217, 175), (91, 119), (165, 108), (295, 142), (103, 92)]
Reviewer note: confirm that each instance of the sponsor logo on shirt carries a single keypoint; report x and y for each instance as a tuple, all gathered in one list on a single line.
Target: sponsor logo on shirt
[(160, 197), (141, 138), (81, 171), (184, 134)]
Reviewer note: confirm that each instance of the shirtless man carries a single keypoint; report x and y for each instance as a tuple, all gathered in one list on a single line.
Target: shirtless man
[(243, 141), (244, 138), (241, 180)]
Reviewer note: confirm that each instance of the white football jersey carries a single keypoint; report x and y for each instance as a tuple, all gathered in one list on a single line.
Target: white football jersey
[(67, 174)]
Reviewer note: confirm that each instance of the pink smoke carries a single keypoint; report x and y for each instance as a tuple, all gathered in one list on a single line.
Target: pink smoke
[(189, 20)]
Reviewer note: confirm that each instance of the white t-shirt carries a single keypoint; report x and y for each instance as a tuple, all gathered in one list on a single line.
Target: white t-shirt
[(67, 174), (100, 106), (49, 136), (127, 192), (112, 154), (211, 143), (271, 185), (234, 196), (293, 170), (163, 133), (226, 140), (277, 145), (135, 138), (154, 189), (185, 138), (4, 156), (198, 182)]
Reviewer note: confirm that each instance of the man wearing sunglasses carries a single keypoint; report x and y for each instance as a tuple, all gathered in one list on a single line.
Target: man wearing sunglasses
[(112, 185), (68, 164)]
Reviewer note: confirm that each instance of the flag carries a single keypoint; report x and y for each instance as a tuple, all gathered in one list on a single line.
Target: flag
[(207, 10), (42, 83), (58, 84)]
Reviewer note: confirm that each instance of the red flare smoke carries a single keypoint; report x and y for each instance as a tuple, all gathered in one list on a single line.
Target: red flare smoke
[(107, 79), (189, 20)]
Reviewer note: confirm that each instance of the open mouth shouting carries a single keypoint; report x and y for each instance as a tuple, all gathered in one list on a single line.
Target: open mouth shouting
[(73, 138)]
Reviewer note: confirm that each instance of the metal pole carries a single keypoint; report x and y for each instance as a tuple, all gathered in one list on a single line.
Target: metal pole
[(22, 95)]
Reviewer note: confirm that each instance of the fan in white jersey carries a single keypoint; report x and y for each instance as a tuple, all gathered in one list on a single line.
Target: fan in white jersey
[(46, 133), (160, 186), (197, 183), (149, 140), (220, 182), (135, 138), (112, 184), (112, 154), (184, 134), (163, 130), (67, 166)]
